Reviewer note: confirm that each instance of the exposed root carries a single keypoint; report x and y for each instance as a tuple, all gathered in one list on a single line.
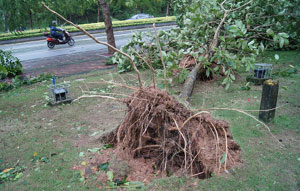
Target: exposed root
[(157, 127)]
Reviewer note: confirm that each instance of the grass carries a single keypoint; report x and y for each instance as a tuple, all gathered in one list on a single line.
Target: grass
[(60, 133), (88, 27)]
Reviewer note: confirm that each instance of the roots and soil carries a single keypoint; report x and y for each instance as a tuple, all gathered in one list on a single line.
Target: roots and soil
[(158, 127)]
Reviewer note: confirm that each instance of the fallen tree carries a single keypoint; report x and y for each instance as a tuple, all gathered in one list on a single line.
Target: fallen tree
[(159, 128), (215, 37)]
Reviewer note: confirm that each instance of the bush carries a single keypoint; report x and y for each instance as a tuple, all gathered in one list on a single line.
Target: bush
[(19, 81), (10, 66)]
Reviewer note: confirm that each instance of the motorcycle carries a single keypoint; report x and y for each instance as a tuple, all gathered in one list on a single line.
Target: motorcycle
[(51, 41)]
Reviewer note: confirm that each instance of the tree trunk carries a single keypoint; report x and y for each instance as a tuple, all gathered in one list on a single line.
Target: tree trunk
[(189, 82), (136, 9), (108, 25), (98, 13), (168, 9), (30, 19)]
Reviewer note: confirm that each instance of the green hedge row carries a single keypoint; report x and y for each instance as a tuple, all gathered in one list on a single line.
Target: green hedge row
[(91, 26)]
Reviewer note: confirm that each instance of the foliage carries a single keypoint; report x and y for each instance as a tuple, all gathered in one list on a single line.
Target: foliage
[(285, 72), (19, 81), (9, 65), (17, 14), (247, 31), (113, 183), (11, 174)]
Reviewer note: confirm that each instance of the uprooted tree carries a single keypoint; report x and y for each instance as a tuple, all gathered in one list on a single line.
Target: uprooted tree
[(159, 128), (215, 37)]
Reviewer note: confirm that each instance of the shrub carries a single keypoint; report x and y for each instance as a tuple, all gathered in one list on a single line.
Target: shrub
[(10, 66)]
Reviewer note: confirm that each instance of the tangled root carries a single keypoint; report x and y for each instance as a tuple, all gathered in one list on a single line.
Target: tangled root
[(157, 127)]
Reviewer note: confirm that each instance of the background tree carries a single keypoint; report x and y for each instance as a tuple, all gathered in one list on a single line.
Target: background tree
[(29, 14), (108, 25)]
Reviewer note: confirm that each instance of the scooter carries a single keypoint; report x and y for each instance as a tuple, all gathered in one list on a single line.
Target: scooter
[(51, 41)]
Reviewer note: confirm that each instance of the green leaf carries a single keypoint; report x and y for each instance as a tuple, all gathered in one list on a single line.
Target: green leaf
[(276, 56), (3, 70), (224, 157), (216, 68), (44, 159), (222, 38), (104, 167), (281, 42), (227, 86), (81, 154), (284, 35), (244, 44), (251, 43), (270, 32), (107, 146), (93, 150), (110, 175), (232, 76)]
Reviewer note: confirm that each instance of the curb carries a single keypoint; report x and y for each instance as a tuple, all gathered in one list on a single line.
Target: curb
[(91, 32)]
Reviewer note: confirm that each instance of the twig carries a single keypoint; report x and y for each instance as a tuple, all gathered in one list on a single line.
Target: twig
[(185, 143), (161, 56), (97, 96), (149, 66), (185, 122), (147, 146), (115, 83), (97, 41), (268, 109), (241, 111), (226, 149), (241, 6), (197, 174), (217, 144)]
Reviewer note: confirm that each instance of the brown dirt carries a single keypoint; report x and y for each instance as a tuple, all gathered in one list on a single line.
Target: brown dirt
[(134, 169), (65, 65), (159, 129)]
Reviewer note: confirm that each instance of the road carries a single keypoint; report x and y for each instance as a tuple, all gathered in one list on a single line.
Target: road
[(38, 49)]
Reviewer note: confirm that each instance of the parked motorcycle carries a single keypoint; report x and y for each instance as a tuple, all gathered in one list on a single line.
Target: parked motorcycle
[(51, 41)]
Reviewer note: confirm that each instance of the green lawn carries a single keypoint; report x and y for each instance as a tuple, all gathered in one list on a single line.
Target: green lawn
[(47, 141)]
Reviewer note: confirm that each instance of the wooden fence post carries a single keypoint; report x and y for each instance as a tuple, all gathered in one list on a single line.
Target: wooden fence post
[(268, 100)]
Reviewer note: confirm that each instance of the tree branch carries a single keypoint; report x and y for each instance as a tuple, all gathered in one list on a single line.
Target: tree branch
[(241, 6), (161, 56)]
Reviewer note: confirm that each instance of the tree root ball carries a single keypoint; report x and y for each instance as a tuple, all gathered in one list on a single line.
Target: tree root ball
[(160, 128)]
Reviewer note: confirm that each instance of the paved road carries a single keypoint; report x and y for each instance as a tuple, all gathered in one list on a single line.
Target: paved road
[(64, 60), (38, 49)]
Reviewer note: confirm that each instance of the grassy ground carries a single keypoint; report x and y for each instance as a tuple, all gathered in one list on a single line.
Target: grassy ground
[(47, 141)]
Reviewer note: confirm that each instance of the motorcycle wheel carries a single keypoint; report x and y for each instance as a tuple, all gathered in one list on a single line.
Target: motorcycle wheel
[(71, 42), (51, 45)]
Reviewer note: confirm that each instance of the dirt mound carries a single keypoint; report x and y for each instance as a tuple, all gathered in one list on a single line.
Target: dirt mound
[(160, 128)]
